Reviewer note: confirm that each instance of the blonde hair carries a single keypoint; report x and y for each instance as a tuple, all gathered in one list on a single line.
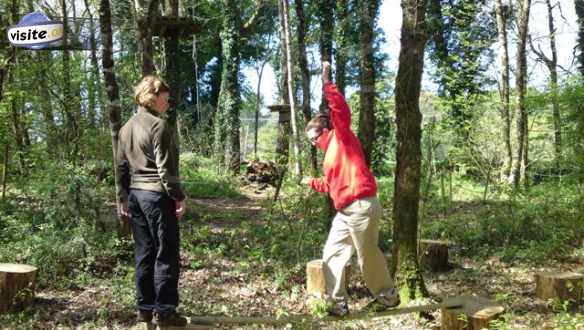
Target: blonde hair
[(146, 92)]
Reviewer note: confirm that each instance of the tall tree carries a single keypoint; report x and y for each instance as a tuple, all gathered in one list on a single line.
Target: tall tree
[(113, 97), (72, 135), (343, 41), (406, 196), (367, 16), (284, 128), (520, 162), (173, 69), (45, 103), (288, 42), (227, 121), (326, 16), (93, 83), (502, 18), (227, 118), (461, 49), (552, 65), (305, 72), (580, 42), (146, 11)]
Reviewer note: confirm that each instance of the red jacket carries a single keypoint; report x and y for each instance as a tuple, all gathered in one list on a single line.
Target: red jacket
[(346, 175)]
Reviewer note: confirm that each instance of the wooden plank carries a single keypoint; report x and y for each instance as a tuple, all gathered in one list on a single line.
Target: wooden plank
[(294, 319)]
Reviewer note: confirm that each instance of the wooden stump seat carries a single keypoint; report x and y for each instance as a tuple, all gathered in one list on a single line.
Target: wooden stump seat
[(17, 283), (475, 313)]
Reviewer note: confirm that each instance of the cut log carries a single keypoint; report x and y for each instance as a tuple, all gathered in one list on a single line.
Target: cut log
[(17, 283), (315, 279), (476, 313), (434, 254), (557, 285)]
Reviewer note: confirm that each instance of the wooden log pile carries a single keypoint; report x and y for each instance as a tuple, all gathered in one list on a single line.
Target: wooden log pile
[(262, 172)]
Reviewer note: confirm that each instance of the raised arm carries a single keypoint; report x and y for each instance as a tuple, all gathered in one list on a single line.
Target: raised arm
[(339, 110)]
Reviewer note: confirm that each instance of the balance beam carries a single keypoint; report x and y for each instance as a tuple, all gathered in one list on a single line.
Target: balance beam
[(303, 318)]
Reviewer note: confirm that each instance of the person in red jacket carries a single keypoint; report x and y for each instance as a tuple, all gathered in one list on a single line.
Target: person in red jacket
[(352, 187)]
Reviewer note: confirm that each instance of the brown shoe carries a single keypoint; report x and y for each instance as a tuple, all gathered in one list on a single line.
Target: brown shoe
[(170, 318)]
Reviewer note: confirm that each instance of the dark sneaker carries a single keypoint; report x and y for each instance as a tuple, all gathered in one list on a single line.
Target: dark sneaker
[(340, 308), (144, 316), (170, 318)]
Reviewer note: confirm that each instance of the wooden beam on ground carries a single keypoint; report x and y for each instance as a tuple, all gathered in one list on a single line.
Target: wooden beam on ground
[(299, 319)]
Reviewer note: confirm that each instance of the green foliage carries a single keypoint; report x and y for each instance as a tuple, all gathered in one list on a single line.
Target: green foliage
[(460, 48), (200, 178), (533, 227), (318, 307)]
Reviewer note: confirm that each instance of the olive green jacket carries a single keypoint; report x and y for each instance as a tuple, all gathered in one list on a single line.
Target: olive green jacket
[(147, 156)]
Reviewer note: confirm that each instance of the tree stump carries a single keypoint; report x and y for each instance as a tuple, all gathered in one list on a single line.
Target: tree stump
[(475, 314), (434, 254), (315, 279), (17, 284), (563, 286)]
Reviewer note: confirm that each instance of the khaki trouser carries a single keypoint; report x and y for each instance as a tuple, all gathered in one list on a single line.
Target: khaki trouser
[(356, 228)]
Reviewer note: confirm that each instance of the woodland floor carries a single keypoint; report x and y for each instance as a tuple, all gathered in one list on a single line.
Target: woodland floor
[(220, 286)]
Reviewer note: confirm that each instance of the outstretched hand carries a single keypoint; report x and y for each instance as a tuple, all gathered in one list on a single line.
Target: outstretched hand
[(326, 71)]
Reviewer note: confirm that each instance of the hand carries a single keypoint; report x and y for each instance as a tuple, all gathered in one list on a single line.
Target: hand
[(326, 70), (180, 209), (123, 210), (305, 181)]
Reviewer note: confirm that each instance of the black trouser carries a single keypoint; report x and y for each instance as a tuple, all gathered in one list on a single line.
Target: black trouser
[(156, 238)]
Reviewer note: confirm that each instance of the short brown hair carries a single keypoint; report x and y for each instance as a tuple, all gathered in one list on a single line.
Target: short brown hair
[(146, 92), (319, 122)]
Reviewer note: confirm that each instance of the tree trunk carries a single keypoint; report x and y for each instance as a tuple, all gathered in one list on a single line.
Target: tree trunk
[(343, 44), (113, 101), (553, 67), (146, 14), (579, 4), (406, 196), (5, 170), (367, 14), (17, 125), (284, 129), (172, 73), (520, 160), (72, 127), (229, 96), (504, 85), (295, 139), (45, 104), (303, 63), (326, 15), (257, 112), (93, 82)]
